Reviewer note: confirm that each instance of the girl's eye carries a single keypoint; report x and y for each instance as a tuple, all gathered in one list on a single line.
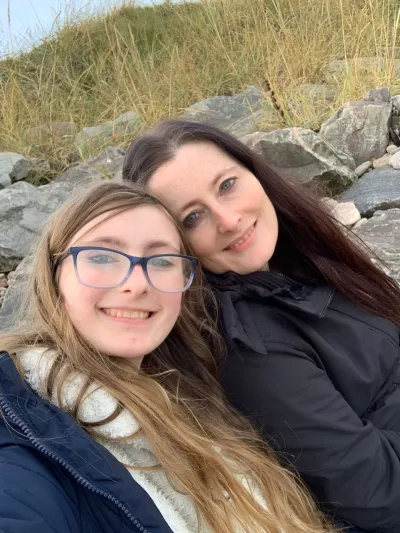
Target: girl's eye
[(227, 184), (102, 259), (191, 220)]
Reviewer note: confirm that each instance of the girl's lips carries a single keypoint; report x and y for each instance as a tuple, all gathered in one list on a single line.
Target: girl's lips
[(129, 319), (245, 242)]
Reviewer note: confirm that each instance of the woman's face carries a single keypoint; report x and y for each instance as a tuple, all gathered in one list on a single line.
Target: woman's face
[(229, 220), (133, 319)]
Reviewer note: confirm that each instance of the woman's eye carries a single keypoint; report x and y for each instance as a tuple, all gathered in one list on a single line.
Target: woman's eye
[(191, 220), (227, 184)]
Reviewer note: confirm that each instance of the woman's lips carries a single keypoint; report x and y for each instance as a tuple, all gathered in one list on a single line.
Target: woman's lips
[(243, 242)]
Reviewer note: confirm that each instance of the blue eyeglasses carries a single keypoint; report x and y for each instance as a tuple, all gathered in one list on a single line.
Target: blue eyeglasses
[(105, 268)]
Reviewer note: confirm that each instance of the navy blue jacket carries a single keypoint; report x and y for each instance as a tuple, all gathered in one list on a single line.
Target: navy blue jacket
[(321, 378), (55, 478)]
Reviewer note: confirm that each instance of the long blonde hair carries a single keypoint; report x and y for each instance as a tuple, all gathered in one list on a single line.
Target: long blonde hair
[(202, 445)]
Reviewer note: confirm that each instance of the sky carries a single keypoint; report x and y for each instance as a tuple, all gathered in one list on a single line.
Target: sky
[(23, 22)]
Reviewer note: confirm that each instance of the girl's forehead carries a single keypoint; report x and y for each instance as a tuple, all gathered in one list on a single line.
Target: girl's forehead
[(136, 225)]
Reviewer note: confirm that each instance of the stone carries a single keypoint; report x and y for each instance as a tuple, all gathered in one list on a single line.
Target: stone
[(94, 169), (381, 94), (240, 114), (95, 137), (51, 133), (392, 149), (305, 156), (347, 214), (379, 189), (24, 210), (394, 125), (339, 68), (360, 129), (363, 168), (394, 160), (3, 281), (317, 92), (8, 160), (14, 297), (381, 233), (383, 161), (32, 169)]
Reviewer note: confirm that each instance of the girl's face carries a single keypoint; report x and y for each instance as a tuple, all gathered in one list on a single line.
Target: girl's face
[(133, 319), (229, 220)]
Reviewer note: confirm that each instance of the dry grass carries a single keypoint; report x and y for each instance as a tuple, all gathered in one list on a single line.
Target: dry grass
[(159, 60)]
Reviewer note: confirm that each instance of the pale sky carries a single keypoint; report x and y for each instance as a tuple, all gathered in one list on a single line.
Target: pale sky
[(24, 21)]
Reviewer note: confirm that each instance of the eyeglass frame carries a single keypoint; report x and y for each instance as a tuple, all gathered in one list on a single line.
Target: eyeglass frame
[(133, 260)]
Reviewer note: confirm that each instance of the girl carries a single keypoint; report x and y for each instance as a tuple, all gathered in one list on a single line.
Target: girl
[(120, 425), (312, 324)]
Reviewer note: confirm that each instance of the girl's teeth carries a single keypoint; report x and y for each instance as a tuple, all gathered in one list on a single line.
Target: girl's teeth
[(127, 314)]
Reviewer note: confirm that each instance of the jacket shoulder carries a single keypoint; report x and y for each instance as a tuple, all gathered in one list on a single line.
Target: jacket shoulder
[(34, 494)]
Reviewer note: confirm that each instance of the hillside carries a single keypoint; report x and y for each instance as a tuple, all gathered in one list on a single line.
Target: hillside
[(159, 60)]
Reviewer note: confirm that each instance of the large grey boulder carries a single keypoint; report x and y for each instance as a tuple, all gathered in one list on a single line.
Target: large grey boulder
[(94, 169), (95, 137), (31, 169), (303, 154), (382, 234), (8, 160), (240, 114), (339, 68), (24, 209), (379, 189), (16, 293), (361, 128)]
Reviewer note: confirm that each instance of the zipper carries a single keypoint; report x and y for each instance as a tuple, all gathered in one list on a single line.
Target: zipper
[(80, 479)]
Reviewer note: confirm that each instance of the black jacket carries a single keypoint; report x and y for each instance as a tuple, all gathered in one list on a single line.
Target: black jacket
[(321, 378), (54, 478)]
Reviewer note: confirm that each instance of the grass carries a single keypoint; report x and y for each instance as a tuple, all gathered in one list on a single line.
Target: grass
[(159, 60)]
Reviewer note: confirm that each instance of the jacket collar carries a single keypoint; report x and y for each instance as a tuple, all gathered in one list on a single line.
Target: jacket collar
[(307, 296), (56, 431)]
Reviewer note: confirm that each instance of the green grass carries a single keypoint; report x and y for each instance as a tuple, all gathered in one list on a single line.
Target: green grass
[(159, 60)]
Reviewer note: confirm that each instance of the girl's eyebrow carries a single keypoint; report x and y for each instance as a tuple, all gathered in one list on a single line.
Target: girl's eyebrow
[(121, 244)]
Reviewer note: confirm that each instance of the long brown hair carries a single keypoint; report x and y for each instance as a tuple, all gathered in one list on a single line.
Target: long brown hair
[(202, 445), (310, 241)]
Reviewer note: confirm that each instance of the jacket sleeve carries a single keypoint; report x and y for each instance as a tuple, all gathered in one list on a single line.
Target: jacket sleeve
[(349, 464), (32, 500)]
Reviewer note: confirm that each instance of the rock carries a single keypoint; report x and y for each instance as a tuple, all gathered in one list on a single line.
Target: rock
[(383, 161), (14, 296), (382, 234), (379, 189), (392, 149), (345, 213), (360, 223), (31, 169), (363, 168), (381, 94), (303, 154), (361, 65), (318, 92), (394, 125), (240, 114), (95, 137), (97, 168), (3, 281), (394, 160), (8, 160), (51, 133), (24, 209), (360, 129)]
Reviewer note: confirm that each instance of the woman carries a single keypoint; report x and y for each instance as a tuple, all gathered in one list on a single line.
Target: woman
[(121, 425), (312, 323)]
